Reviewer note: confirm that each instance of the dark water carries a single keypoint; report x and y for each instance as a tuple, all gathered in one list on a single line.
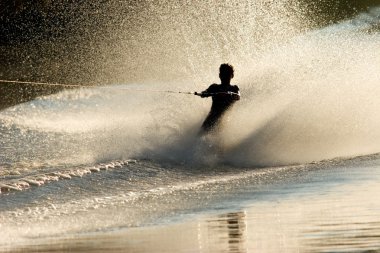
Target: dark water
[(123, 42)]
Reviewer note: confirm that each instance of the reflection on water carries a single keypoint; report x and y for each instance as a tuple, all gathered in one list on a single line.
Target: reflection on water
[(228, 230), (344, 217)]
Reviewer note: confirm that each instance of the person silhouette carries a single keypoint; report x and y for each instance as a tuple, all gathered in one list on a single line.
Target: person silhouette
[(223, 95)]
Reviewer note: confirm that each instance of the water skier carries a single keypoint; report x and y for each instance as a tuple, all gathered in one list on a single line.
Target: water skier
[(223, 95)]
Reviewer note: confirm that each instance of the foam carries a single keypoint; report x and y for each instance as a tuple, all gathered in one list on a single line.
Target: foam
[(26, 182)]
